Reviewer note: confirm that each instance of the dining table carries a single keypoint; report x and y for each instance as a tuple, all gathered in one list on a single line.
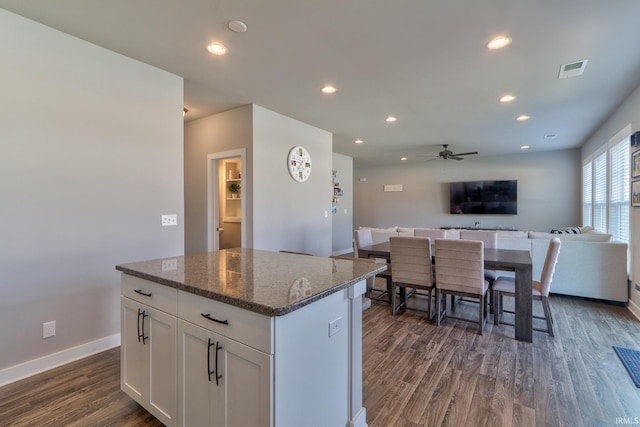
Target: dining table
[(518, 261)]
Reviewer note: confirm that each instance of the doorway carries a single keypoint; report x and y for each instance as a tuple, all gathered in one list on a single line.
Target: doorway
[(226, 204)]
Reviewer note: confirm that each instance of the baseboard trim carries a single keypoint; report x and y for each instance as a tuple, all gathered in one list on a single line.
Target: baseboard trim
[(634, 309), (36, 366)]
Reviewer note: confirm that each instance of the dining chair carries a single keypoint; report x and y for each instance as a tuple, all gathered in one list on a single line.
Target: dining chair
[(460, 272), (411, 266), (364, 238), (431, 233), (507, 286), (490, 240)]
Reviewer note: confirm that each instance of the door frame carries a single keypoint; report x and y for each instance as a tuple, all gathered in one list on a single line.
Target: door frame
[(213, 205)]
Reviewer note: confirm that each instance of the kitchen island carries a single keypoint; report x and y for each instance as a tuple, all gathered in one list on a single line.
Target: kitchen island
[(244, 337)]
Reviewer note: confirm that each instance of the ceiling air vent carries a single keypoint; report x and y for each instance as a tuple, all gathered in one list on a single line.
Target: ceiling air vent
[(572, 70)]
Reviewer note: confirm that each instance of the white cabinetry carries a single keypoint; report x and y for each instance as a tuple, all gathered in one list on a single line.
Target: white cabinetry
[(222, 382), (148, 352)]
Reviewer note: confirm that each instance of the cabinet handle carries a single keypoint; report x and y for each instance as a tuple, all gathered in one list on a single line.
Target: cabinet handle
[(218, 347), (143, 314), (209, 371), (141, 292), (208, 316)]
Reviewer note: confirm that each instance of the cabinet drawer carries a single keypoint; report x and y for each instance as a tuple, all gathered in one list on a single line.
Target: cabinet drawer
[(247, 327), (153, 294)]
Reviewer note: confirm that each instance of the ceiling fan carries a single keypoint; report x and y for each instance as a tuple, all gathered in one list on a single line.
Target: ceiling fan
[(447, 154)]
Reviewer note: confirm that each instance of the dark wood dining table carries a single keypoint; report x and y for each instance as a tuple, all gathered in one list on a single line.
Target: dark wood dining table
[(494, 259)]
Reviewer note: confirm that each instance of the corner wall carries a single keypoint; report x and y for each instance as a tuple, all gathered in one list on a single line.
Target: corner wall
[(549, 185), (91, 158)]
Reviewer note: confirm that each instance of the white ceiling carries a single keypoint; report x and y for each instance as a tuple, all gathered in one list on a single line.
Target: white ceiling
[(423, 61)]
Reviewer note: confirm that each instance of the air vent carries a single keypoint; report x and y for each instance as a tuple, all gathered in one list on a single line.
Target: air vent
[(550, 136), (572, 70)]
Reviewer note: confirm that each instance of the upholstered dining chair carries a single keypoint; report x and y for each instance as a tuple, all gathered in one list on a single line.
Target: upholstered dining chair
[(460, 272), (411, 266), (431, 233), (507, 286), (364, 238), (490, 240)]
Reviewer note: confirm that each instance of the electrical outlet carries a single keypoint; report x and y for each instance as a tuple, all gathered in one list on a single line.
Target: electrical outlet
[(169, 264), (335, 326), (49, 329), (168, 220)]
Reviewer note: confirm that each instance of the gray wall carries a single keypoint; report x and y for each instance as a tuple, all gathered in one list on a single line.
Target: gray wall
[(627, 114), (342, 224), (289, 215), (226, 131), (281, 214), (549, 187), (91, 145)]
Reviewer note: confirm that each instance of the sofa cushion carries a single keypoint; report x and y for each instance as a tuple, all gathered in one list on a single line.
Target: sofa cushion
[(589, 237), (513, 234), (566, 230)]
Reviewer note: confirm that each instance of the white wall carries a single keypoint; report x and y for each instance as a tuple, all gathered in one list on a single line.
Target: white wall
[(627, 114), (290, 215), (548, 191), (218, 133), (342, 220), (91, 157)]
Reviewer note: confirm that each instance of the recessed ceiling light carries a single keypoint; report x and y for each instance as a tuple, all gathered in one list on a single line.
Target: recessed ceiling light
[(499, 42), (358, 141), (237, 26), (525, 147), (403, 158), (390, 119), (328, 89), (522, 118), (217, 48), (507, 98)]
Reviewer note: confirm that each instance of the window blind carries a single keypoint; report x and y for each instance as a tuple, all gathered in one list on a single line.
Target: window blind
[(619, 168), (600, 192)]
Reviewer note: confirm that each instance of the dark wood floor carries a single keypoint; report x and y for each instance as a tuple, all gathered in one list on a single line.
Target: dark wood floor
[(415, 374)]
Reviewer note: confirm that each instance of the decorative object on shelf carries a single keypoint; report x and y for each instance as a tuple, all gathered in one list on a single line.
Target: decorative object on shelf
[(299, 163), (635, 193), (635, 164), (234, 189), (337, 191)]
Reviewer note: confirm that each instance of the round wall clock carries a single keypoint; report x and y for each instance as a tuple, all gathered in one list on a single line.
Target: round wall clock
[(299, 163)]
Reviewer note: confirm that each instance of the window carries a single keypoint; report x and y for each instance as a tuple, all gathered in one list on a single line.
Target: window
[(605, 188)]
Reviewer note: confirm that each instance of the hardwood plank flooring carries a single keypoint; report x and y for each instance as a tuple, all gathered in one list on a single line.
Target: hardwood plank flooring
[(415, 374)]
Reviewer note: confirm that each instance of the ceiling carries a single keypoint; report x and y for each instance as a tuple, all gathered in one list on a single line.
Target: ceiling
[(424, 62)]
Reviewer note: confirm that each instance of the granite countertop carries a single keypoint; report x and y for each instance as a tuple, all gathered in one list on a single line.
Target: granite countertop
[(269, 283)]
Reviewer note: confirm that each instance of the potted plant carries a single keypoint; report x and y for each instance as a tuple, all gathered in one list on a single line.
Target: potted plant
[(234, 189)]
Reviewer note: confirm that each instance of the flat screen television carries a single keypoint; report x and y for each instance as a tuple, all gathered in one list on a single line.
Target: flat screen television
[(484, 197)]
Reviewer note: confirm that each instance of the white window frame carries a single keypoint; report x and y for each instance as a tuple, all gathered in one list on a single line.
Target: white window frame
[(621, 136)]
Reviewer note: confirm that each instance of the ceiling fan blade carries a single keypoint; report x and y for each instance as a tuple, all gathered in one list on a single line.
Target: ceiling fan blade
[(465, 154), (454, 157)]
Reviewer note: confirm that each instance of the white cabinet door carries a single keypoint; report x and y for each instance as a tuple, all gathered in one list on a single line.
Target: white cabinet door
[(246, 378), (134, 354), (200, 399), (149, 362)]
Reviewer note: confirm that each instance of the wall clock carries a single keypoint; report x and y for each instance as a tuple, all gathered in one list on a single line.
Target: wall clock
[(299, 163)]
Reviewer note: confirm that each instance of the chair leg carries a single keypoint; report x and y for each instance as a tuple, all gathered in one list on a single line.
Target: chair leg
[(392, 298), (547, 315), (438, 307), (481, 314), (429, 305), (453, 303), (497, 307)]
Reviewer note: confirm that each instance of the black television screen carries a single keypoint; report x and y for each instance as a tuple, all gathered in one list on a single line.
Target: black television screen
[(484, 197)]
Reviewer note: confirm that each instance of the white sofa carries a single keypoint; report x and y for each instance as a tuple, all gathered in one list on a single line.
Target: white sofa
[(590, 265)]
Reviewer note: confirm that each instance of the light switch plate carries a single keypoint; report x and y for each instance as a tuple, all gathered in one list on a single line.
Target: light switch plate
[(168, 220)]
